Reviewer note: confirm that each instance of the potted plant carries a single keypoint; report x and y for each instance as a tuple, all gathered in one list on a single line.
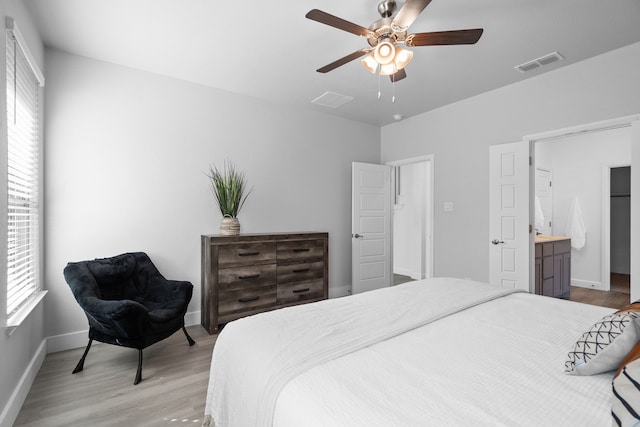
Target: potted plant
[(229, 187)]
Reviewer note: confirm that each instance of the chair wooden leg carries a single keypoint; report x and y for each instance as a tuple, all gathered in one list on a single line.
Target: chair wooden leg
[(139, 371), (80, 365), (191, 341)]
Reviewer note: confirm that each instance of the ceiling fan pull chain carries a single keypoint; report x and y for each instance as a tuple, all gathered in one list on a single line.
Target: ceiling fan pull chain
[(393, 91), (393, 86), (379, 93)]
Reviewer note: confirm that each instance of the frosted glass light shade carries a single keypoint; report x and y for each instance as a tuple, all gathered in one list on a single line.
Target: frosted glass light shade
[(384, 52), (388, 69), (369, 62), (402, 58)]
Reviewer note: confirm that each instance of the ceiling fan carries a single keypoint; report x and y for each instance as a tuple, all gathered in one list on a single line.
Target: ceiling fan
[(386, 34)]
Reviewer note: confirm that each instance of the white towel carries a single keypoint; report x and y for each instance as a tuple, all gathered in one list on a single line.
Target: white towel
[(539, 215), (575, 227)]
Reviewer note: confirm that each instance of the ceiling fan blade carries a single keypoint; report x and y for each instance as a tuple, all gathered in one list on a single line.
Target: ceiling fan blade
[(409, 12), (439, 38), (339, 23), (399, 75), (335, 64)]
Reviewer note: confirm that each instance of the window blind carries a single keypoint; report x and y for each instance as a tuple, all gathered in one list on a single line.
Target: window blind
[(22, 176)]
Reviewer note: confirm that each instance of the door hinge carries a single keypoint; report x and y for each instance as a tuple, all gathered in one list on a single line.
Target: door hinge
[(550, 183), (530, 228), (530, 160)]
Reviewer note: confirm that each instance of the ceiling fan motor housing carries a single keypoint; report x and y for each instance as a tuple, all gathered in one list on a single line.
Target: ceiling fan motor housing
[(386, 8)]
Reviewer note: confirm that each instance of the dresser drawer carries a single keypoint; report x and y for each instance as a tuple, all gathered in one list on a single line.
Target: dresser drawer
[(301, 271), (297, 250), (246, 299), (246, 277), (246, 254), (299, 291)]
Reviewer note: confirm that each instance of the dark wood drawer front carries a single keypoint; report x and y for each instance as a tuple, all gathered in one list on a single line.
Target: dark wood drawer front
[(246, 277), (547, 249), (246, 299), (291, 292), (300, 272), (246, 254), (300, 250), (562, 246)]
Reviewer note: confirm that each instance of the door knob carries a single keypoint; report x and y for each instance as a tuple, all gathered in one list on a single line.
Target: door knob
[(358, 236), (496, 241)]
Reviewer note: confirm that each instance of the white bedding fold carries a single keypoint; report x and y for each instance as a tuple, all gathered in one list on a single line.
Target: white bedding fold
[(255, 357)]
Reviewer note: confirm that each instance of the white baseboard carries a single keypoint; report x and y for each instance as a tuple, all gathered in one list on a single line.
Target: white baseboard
[(586, 284), (192, 318), (81, 338), (19, 395)]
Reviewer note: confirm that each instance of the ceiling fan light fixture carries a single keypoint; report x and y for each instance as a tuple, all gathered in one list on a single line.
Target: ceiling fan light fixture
[(384, 52), (369, 62)]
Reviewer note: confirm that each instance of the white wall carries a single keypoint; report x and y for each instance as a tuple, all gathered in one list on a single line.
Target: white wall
[(23, 351), (577, 163), (459, 135), (126, 156), (409, 221)]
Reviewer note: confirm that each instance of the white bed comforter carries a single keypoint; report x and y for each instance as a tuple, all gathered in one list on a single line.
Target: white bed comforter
[(255, 357), (498, 364)]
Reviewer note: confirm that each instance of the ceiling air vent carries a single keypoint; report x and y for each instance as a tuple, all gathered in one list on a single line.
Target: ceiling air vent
[(332, 100), (539, 62)]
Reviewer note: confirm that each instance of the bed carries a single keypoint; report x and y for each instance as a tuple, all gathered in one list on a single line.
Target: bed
[(437, 352)]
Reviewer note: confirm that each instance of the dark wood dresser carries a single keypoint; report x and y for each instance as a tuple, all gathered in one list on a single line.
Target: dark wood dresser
[(252, 273)]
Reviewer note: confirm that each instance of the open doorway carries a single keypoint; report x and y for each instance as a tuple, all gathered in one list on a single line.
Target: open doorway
[(584, 166), (412, 219), (620, 229)]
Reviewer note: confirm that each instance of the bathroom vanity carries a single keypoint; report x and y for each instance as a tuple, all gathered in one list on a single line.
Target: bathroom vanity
[(553, 266)]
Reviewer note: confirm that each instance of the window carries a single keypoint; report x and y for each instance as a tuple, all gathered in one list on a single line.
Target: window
[(23, 201)]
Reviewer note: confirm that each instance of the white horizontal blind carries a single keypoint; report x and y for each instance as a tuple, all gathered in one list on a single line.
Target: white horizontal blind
[(23, 178)]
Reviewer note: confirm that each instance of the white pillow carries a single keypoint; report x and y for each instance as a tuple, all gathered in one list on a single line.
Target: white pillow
[(605, 345)]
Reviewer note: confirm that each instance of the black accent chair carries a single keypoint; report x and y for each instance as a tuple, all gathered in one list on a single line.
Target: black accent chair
[(128, 302)]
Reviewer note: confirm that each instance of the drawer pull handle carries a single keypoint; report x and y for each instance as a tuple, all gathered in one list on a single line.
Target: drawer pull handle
[(248, 253), (301, 270), (299, 291), (250, 276), (302, 250), (248, 299)]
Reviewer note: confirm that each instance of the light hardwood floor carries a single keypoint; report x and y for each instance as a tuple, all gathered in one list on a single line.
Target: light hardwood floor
[(172, 391)]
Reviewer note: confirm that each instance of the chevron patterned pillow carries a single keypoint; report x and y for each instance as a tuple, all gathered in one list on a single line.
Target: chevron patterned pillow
[(604, 346)]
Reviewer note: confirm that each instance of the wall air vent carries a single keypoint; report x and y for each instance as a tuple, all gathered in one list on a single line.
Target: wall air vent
[(539, 62), (332, 100)]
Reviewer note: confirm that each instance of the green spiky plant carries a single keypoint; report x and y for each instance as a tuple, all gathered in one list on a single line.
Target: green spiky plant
[(229, 187)]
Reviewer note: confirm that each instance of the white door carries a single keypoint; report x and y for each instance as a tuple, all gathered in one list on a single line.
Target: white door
[(544, 202), (509, 215), (370, 227)]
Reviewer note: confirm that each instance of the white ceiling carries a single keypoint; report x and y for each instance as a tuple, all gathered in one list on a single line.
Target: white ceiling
[(271, 51)]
